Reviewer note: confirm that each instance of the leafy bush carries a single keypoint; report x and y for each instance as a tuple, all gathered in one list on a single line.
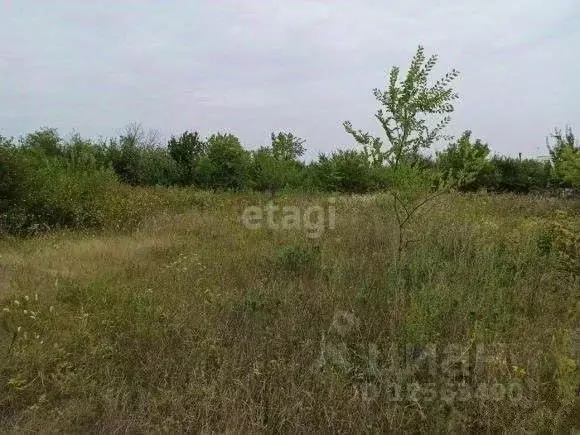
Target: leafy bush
[(45, 142), (298, 259), (50, 182), (13, 173), (54, 197), (83, 155), (124, 158), (566, 240), (345, 171), (520, 176), (465, 164), (569, 167), (565, 154), (186, 150), (157, 168), (286, 146), (267, 173), (277, 166), (225, 165)]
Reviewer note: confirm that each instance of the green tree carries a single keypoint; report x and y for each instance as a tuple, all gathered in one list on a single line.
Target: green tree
[(286, 146), (45, 142), (563, 154), (413, 115), (187, 150), (277, 166), (124, 156), (570, 167), (263, 170), (519, 175), (127, 154), (344, 171), (157, 168), (225, 164), (465, 164), (82, 154), (13, 174)]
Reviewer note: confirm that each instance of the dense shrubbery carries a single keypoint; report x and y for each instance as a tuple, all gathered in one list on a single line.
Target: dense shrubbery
[(467, 163), (46, 181), (344, 171), (565, 155), (39, 191), (520, 175)]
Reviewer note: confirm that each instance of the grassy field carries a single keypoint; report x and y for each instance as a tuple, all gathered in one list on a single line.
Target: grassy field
[(191, 321)]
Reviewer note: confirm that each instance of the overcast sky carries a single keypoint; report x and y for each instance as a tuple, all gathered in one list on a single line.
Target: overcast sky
[(254, 66)]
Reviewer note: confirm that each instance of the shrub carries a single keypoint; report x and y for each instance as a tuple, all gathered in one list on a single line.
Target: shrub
[(54, 197), (298, 259), (157, 168), (344, 171), (267, 173), (520, 176), (44, 142), (566, 241), (569, 167), (565, 157), (286, 146), (275, 167), (13, 173), (225, 165), (83, 155), (124, 157), (186, 150), (465, 164)]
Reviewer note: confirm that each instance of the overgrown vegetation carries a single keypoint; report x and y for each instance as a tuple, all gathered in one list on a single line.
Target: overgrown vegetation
[(195, 323), (140, 302), (50, 182), (408, 107)]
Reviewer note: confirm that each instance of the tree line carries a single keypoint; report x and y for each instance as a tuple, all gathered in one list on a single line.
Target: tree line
[(220, 162), (48, 180)]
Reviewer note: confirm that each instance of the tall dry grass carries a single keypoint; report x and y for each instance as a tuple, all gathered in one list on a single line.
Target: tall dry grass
[(192, 322)]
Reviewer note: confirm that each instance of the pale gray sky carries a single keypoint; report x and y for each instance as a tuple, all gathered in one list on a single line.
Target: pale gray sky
[(253, 66)]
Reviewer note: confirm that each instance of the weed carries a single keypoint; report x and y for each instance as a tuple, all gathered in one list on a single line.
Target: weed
[(298, 259)]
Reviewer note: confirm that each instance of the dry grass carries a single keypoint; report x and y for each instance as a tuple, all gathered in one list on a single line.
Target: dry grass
[(193, 322)]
